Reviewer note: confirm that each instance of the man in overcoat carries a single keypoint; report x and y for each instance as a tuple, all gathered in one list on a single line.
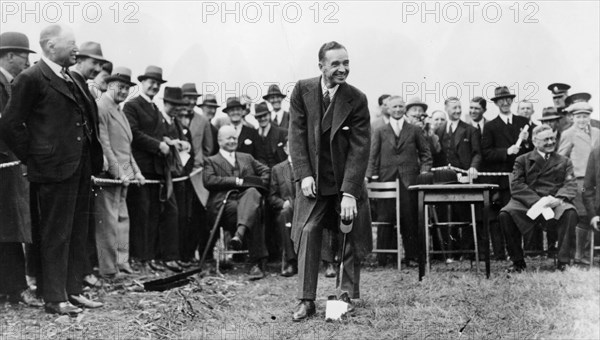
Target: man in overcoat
[(329, 141), (540, 174)]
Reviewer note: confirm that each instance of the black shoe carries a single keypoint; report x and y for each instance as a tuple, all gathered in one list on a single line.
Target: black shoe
[(289, 270), (26, 297), (173, 266), (156, 266), (305, 309), (82, 301), (256, 273), (235, 243), (330, 271), (517, 267), (62, 308), (561, 266)]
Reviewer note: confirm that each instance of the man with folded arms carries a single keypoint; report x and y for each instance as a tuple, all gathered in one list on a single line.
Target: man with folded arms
[(231, 170), (541, 174), (112, 216)]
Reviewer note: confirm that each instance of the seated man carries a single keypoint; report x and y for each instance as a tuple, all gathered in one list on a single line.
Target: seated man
[(230, 170), (540, 174)]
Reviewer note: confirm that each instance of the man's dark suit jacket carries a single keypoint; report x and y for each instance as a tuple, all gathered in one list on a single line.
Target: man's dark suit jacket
[(404, 159), (349, 141), (248, 142), (282, 185), (42, 125), (285, 121), (219, 176), (466, 151), (148, 128), (534, 178), (270, 148), (591, 184)]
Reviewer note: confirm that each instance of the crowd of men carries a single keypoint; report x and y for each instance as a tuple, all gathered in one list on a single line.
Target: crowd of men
[(66, 119)]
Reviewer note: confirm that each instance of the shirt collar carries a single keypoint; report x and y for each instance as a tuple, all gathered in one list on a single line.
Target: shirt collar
[(543, 154), (400, 121), (53, 66), (227, 154), (9, 77), (267, 129), (332, 90), (505, 118), (143, 95), (276, 115)]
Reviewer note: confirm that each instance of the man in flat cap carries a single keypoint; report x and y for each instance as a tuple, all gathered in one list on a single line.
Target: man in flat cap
[(576, 144), (15, 220), (278, 117), (51, 125)]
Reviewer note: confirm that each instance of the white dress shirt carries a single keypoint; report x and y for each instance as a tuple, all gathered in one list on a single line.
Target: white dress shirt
[(331, 91), (506, 118), (277, 116), (54, 67), (452, 126), (397, 125), (229, 156)]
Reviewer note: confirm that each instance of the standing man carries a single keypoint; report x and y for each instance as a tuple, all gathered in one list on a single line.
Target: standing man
[(551, 118), (278, 117), (112, 217), (477, 108), (384, 113), (209, 109), (591, 186), (200, 130), (329, 141), (399, 150), (50, 126), (525, 109), (504, 139), (247, 136), (98, 85), (15, 225), (271, 139), (560, 92)]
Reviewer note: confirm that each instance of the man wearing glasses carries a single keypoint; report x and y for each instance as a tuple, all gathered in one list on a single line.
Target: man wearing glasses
[(544, 180)]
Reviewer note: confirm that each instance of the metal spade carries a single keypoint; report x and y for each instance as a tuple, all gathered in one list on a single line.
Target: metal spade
[(336, 306)]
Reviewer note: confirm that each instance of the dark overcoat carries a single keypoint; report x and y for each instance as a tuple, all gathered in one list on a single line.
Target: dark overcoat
[(534, 178), (349, 141), (467, 146), (591, 184)]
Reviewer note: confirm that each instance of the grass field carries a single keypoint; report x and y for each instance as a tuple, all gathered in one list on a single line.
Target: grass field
[(450, 303)]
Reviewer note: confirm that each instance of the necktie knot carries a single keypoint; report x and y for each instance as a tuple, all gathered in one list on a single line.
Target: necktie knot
[(547, 156)]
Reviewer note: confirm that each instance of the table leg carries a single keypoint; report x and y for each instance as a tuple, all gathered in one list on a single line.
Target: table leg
[(421, 235), (486, 231)]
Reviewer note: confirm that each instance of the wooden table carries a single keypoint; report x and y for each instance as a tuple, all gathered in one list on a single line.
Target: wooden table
[(452, 193)]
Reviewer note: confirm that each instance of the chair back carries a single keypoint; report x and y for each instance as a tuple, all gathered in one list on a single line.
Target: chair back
[(379, 190)]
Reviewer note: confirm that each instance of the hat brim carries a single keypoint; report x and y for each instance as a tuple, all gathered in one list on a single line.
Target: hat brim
[(266, 97), (144, 77), (587, 112), (260, 114), (423, 105), (512, 96), (175, 101), (543, 119), (228, 108), (110, 79), (208, 104), (195, 94), (16, 48), (94, 56)]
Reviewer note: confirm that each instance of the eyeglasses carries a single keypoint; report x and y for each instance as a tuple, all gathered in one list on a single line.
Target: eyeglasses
[(548, 139), (26, 57)]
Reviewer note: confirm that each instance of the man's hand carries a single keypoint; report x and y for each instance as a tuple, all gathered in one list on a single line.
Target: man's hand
[(594, 223), (554, 202), (184, 146), (473, 173), (308, 187), (512, 150), (126, 179), (286, 204), (348, 208), (164, 148), (524, 134), (140, 178)]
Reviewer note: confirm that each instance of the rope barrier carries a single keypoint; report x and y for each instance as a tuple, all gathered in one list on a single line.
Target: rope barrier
[(101, 181), (450, 167), (9, 164)]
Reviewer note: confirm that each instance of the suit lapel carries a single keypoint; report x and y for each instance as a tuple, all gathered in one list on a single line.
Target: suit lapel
[(312, 98), (225, 165), (118, 115), (536, 165), (505, 129), (341, 109), (57, 83), (458, 134), (404, 132), (388, 135)]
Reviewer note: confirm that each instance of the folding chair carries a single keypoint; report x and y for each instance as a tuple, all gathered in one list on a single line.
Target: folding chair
[(387, 190), (592, 247)]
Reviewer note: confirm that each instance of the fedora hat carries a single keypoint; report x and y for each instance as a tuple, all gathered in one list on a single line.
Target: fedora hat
[(233, 102), (91, 49), (273, 91), (261, 109), (209, 100), (153, 72), (416, 101), (174, 95), (122, 74), (549, 113), (14, 41), (502, 92), (189, 89)]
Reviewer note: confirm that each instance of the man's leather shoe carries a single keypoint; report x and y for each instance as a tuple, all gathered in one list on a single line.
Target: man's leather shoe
[(62, 308), (26, 297), (517, 267), (156, 266), (330, 271), (127, 269), (92, 281), (82, 301), (289, 270), (184, 264), (235, 243), (561, 266), (173, 266), (305, 309), (347, 300), (256, 273)]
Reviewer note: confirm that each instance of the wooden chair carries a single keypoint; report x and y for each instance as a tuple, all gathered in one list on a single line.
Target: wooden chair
[(592, 247), (387, 190)]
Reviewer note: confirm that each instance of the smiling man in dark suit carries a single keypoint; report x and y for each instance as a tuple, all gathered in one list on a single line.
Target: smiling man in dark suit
[(400, 150), (52, 128), (246, 135), (329, 140), (278, 117), (231, 170)]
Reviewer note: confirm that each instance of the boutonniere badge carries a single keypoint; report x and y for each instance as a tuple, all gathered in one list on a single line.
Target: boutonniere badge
[(280, 144), (247, 142), (346, 128)]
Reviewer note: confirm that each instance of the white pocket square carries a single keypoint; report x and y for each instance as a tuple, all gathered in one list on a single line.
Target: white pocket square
[(346, 128), (247, 142), (280, 144)]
